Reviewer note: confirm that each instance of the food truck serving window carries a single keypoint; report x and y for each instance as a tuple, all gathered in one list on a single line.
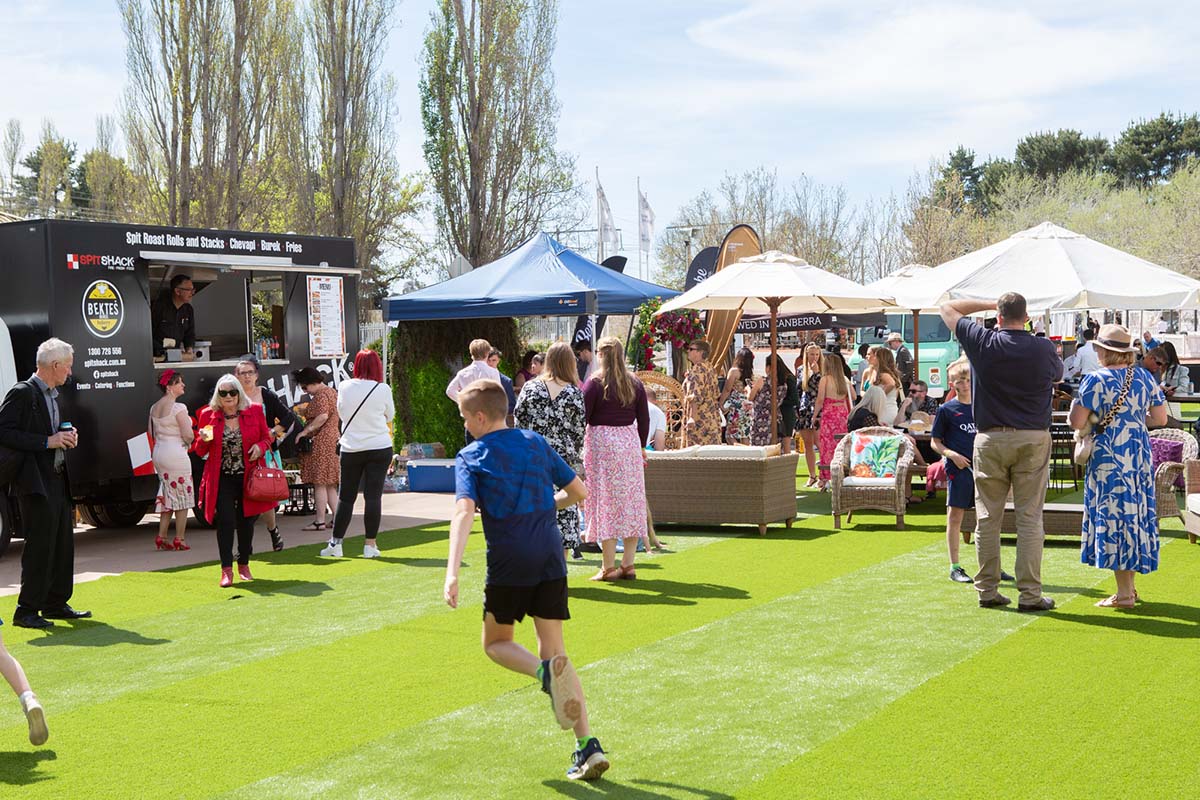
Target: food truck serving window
[(227, 313)]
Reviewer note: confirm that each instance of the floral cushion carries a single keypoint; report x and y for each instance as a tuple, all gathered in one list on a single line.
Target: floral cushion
[(1163, 451), (874, 455)]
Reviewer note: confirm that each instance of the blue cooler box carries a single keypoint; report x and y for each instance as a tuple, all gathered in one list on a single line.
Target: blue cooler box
[(431, 475)]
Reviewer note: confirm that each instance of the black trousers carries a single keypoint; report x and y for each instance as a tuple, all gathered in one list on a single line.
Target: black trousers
[(48, 557), (230, 520), (368, 468)]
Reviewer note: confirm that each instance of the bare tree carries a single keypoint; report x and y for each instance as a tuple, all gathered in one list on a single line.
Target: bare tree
[(490, 116), (10, 153), (105, 185)]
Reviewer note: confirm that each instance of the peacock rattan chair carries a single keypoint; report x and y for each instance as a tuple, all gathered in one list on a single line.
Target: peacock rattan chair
[(670, 399), (892, 497), (1166, 502)]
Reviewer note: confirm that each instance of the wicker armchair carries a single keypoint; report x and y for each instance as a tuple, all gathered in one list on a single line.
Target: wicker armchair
[(1167, 473), (891, 498), (1191, 517), (670, 399)]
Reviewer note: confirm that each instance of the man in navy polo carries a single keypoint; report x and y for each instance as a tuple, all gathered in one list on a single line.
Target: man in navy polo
[(1013, 377)]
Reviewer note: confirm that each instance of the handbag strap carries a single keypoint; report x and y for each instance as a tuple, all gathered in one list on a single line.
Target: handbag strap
[(360, 405), (1116, 409)]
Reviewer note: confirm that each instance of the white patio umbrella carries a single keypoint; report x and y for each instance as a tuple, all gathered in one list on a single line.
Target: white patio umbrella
[(1053, 268), (775, 283), (895, 283)]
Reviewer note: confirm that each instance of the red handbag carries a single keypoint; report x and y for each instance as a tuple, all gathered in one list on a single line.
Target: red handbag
[(267, 485)]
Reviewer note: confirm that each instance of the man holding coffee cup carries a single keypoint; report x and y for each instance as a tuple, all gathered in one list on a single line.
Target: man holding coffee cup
[(30, 423)]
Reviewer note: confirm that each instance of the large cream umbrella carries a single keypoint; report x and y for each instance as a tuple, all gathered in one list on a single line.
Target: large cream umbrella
[(894, 284), (1053, 268), (775, 283)]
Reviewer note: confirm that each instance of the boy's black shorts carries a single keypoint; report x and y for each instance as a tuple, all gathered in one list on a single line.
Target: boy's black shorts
[(510, 604)]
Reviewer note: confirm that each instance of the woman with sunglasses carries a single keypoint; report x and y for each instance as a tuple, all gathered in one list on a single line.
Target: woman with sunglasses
[(233, 435), (701, 396)]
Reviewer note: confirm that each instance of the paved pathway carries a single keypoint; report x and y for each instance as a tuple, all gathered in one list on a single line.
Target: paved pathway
[(115, 550)]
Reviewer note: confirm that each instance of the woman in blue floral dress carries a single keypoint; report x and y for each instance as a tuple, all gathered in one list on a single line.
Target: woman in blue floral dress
[(1120, 526)]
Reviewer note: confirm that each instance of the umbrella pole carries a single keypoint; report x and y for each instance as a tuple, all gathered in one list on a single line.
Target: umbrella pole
[(916, 345), (773, 373)]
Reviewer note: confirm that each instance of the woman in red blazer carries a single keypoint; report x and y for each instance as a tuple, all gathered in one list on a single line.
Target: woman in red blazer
[(233, 436)]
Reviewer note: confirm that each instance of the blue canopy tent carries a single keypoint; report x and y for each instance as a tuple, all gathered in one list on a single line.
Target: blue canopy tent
[(541, 278)]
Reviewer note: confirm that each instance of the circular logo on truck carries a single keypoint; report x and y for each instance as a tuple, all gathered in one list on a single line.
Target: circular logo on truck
[(103, 309)]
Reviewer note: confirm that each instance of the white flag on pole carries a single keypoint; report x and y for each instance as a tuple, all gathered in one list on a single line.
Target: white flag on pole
[(608, 230), (645, 224)]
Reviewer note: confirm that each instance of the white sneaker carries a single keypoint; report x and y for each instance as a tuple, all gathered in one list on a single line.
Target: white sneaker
[(38, 732), (370, 551), (332, 550)]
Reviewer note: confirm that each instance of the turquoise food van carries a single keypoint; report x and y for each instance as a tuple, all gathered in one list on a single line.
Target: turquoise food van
[(938, 350)]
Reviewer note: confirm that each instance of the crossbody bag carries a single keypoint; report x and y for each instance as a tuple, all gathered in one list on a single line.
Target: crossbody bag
[(1085, 443)]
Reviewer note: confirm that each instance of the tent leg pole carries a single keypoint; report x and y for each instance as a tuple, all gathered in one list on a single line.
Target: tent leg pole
[(916, 346), (773, 372)]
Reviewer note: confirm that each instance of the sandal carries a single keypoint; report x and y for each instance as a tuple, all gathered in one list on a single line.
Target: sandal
[(811, 483), (276, 539), (1114, 601), (607, 574), (315, 526), (627, 573)]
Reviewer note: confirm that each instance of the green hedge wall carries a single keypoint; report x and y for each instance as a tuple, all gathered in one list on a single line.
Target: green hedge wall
[(425, 356)]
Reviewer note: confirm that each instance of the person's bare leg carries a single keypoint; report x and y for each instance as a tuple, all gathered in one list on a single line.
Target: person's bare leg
[(321, 492), (627, 558), (1125, 590), (550, 644), (164, 523), (809, 438), (499, 645), (269, 516), (181, 525), (650, 534), (954, 518), (608, 553), (10, 668)]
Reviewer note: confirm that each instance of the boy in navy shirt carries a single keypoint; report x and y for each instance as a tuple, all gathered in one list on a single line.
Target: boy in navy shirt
[(510, 475)]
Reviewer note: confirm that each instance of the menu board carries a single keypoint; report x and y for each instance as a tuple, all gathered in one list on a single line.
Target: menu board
[(326, 317)]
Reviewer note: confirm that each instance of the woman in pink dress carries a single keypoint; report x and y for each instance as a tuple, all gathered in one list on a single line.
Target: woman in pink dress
[(833, 406), (618, 421), (171, 429)]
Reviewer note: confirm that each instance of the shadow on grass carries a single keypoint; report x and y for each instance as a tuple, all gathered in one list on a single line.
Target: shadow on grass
[(417, 562), (19, 767), (633, 790), (796, 533), (1167, 620), (91, 633), (658, 592), (265, 586)]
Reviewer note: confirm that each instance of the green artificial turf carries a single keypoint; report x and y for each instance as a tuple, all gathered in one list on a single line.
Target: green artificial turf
[(809, 663)]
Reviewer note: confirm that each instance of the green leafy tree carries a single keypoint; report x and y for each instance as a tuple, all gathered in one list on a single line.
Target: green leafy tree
[(961, 162), (1150, 151), (1047, 154), (49, 187)]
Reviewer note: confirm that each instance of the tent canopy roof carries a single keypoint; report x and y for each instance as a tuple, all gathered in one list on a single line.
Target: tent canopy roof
[(540, 278)]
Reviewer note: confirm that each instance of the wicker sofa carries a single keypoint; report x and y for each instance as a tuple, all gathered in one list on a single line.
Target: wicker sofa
[(849, 497), (689, 488)]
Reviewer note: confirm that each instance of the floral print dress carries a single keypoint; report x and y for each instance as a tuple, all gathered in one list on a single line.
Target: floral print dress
[(808, 403), (701, 416), (1120, 523), (739, 412), (760, 433), (560, 420)]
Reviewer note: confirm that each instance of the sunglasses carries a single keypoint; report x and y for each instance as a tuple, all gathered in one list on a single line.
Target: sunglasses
[(227, 392)]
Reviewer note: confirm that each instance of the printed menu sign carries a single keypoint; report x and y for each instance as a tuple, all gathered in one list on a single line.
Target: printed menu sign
[(326, 317)]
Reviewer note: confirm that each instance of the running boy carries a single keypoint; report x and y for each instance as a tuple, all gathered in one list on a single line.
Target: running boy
[(10, 668), (510, 474)]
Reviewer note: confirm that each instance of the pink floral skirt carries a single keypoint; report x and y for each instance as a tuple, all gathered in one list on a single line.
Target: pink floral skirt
[(615, 507)]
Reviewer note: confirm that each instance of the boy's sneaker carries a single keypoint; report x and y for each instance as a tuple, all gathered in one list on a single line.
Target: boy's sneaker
[(370, 551), (561, 683), (333, 549), (959, 575), (36, 716), (588, 763)]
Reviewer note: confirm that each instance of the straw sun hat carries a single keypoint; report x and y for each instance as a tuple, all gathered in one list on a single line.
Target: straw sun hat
[(895, 336), (1115, 338)]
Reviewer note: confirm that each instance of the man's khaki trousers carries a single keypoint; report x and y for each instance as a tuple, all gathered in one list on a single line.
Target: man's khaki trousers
[(1007, 458)]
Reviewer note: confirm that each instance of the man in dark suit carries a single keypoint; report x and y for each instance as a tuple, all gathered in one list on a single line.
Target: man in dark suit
[(29, 423)]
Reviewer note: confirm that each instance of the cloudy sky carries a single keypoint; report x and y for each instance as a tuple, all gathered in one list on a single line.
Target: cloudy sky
[(679, 92)]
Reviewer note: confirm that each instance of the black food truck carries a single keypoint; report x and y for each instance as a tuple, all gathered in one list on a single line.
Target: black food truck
[(289, 300)]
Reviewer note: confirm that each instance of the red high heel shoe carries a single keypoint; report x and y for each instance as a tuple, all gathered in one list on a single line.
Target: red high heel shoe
[(226, 577), (180, 544), (161, 543)]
